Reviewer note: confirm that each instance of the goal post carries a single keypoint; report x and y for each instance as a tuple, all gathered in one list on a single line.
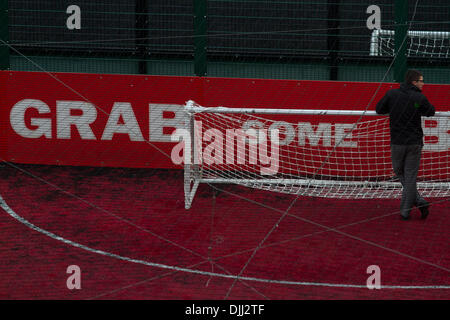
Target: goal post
[(320, 153)]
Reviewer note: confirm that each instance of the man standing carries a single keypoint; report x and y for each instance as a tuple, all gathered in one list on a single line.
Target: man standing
[(405, 107)]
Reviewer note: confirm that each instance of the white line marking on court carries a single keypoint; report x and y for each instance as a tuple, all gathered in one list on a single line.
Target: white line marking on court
[(49, 234)]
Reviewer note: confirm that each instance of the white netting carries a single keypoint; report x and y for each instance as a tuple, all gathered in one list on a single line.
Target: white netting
[(433, 44), (314, 156)]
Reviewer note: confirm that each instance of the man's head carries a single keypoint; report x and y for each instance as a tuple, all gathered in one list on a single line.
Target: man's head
[(415, 78)]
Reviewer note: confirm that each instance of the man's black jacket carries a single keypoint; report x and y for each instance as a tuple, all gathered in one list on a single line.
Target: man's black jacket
[(405, 107)]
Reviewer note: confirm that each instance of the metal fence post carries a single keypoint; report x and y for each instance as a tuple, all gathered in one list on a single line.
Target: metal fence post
[(333, 38), (400, 40), (4, 36), (141, 25), (200, 28)]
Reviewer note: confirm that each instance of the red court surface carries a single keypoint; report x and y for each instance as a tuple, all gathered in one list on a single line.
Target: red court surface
[(131, 237)]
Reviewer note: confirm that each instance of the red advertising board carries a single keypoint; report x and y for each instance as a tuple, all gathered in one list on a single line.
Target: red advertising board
[(126, 120)]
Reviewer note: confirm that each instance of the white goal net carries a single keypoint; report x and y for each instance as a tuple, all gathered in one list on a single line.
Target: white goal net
[(320, 153), (432, 44)]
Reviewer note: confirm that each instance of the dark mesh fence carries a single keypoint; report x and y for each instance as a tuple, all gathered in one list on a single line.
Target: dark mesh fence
[(322, 40)]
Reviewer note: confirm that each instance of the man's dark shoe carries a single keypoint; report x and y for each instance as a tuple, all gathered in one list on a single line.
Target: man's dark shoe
[(405, 217), (424, 210)]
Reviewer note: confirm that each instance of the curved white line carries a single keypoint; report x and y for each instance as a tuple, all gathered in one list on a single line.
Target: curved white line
[(22, 220)]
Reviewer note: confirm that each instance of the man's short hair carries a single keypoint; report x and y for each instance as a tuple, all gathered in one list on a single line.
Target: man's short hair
[(412, 75)]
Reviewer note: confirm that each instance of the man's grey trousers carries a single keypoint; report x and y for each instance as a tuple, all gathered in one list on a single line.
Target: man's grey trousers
[(406, 163)]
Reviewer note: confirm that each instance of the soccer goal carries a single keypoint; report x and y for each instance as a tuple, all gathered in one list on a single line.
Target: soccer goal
[(318, 153), (432, 44)]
